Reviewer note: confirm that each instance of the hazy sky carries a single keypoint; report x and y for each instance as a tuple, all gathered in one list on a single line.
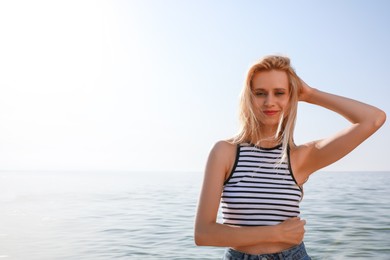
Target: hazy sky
[(152, 85)]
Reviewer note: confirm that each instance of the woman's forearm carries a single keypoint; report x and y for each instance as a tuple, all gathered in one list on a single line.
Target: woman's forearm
[(354, 111), (290, 231), (230, 236)]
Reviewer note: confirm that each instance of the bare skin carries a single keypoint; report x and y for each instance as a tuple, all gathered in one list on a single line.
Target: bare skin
[(271, 99)]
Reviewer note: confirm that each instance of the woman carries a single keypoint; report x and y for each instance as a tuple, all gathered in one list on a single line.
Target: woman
[(258, 175)]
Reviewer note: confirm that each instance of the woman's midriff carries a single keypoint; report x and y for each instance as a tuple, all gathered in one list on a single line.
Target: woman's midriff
[(264, 248)]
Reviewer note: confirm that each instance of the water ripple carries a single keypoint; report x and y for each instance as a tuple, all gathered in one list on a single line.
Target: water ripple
[(152, 217)]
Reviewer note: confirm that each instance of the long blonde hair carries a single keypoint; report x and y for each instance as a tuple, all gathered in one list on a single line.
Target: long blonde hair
[(250, 126)]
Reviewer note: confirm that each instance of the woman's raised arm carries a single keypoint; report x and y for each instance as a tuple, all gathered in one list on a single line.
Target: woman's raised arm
[(365, 120)]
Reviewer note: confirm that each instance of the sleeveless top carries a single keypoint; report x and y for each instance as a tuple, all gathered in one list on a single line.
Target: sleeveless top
[(261, 189)]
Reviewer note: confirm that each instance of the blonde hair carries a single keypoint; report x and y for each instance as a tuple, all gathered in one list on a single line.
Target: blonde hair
[(250, 126)]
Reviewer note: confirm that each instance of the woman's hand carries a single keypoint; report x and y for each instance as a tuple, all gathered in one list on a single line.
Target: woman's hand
[(304, 91), (292, 230)]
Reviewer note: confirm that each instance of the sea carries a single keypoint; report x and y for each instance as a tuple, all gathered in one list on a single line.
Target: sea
[(150, 215)]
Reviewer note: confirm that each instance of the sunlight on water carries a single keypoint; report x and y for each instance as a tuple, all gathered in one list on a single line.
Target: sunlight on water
[(150, 215)]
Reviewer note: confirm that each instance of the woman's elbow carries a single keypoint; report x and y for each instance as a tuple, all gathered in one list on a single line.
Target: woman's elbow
[(201, 236), (380, 119), (198, 240)]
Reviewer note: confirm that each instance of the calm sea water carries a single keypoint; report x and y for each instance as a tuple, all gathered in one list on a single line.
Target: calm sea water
[(111, 215)]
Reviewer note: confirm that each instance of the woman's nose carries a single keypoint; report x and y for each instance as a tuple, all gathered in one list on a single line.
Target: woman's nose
[(269, 99)]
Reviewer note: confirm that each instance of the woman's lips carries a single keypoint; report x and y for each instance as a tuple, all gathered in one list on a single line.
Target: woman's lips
[(270, 112)]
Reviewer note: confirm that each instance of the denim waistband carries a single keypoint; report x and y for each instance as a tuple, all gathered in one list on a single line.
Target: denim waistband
[(295, 253)]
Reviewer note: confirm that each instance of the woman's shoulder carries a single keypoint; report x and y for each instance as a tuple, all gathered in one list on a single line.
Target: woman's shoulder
[(224, 150), (299, 161), (224, 146), (299, 151), (223, 155)]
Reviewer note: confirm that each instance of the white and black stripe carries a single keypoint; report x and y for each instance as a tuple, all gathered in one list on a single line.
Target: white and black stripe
[(261, 190)]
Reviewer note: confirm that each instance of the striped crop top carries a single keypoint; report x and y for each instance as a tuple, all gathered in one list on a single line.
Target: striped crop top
[(261, 190)]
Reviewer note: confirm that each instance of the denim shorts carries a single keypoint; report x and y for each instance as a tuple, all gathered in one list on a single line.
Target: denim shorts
[(295, 253)]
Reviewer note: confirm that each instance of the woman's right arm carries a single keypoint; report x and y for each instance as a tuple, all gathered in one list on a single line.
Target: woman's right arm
[(210, 233)]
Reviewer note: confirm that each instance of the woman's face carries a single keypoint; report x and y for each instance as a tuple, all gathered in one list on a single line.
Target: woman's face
[(271, 96)]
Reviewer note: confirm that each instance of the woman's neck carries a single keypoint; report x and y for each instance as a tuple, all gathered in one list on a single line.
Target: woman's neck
[(268, 139), (268, 143)]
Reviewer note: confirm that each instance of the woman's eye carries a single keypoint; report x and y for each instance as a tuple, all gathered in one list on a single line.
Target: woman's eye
[(280, 93), (259, 94)]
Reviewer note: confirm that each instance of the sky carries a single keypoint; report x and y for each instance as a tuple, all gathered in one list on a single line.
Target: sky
[(149, 85)]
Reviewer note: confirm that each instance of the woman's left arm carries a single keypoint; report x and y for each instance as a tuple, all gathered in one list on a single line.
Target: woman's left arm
[(365, 120)]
